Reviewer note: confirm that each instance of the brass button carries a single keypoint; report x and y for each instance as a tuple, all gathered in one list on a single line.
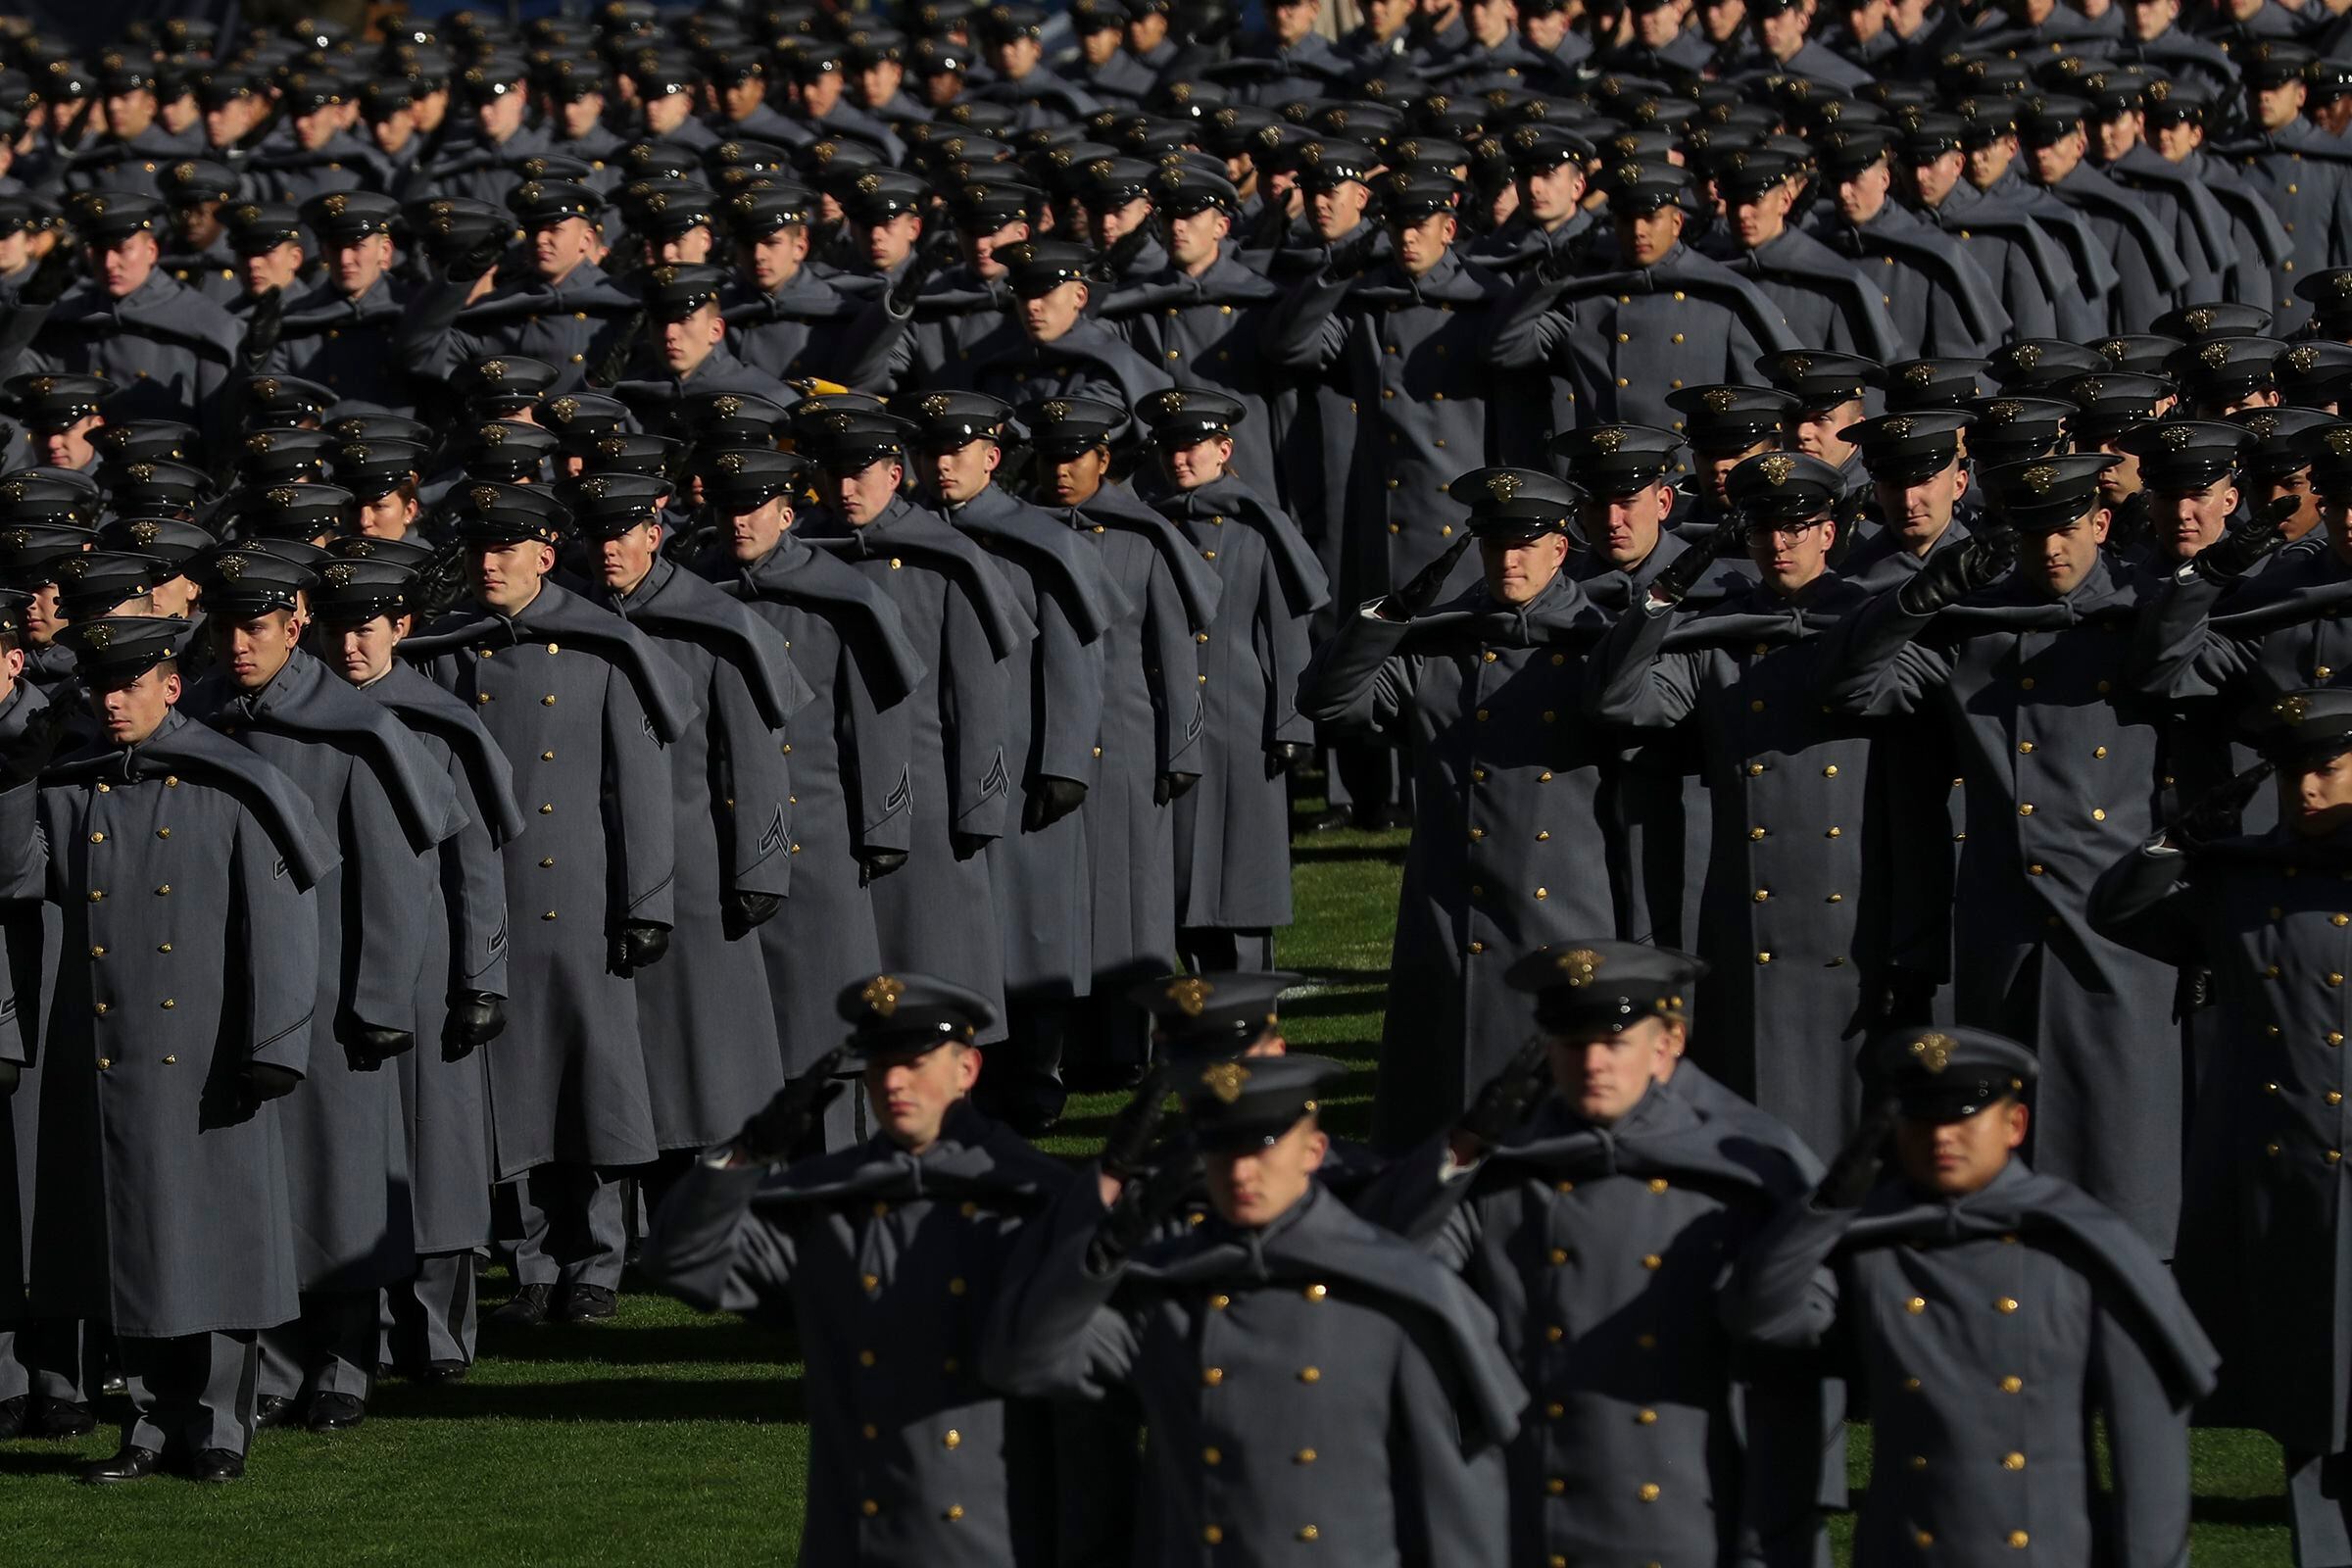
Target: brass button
[(2018, 1540), (2005, 1305), (1647, 1418), (869, 1506), (1220, 1301), (953, 1439), (1649, 1491), (1212, 1456), (2013, 1461), (1213, 1535), (865, 1358), (97, 838), (1213, 1375), (1303, 1456), (1310, 1374), (1916, 1306), (1316, 1293)]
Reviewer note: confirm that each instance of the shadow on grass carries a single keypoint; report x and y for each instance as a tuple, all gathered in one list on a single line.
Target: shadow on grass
[(619, 1399), (1353, 848), (635, 1346), (41, 1462), (2246, 1512), (1364, 997)]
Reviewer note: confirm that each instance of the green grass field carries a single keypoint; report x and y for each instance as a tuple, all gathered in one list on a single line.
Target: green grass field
[(666, 1437)]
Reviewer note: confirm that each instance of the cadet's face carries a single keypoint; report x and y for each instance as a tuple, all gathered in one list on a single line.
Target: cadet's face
[(2147, 19), (1954, 1158), (2223, 407), (688, 343), (124, 265), (131, 712), (753, 535), (257, 646), (1817, 432), (2178, 140), (861, 496), (624, 560), (961, 472), (1387, 15), (889, 243), (315, 130), (693, 246), (911, 1096), (41, 619), (1253, 1187), (129, 113), (1553, 194), (1721, 20), (1339, 208), (1624, 530), (2316, 798), (1860, 196), (1989, 161), (1546, 30), (1791, 555), (2062, 558), (16, 252), (2188, 522), (2119, 136), (1645, 238), (878, 84), (271, 268), (1017, 57), (1199, 464), (1073, 481), (1655, 27), (1421, 246), (70, 447), (1113, 224), (1604, 1075), (983, 248), (2122, 482), (1193, 238), (2306, 515), (506, 576), (392, 131), (1715, 470), (499, 117), (1516, 570), (774, 258), (1493, 21), (1046, 317), (580, 115), (389, 517), (359, 263), (1934, 179), (1295, 20), (1922, 511), (362, 649), (1784, 31), (557, 248), (1760, 220), (2276, 106), (667, 112), (2054, 162)]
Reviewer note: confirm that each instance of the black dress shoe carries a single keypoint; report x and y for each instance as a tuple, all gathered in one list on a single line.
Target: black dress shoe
[(130, 1463), (60, 1418), (586, 1304), (13, 1416), (1336, 818), (527, 1310), (444, 1372), (335, 1412), (271, 1411), (217, 1465)]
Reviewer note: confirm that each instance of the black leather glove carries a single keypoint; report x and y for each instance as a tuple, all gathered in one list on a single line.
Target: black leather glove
[(967, 844), (1285, 755), (1122, 254), (375, 1046), (1856, 1170), (11, 1073), (1951, 576), (616, 363), (1421, 590), (262, 328), (1052, 800), (1127, 1147), (1674, 583), (1906, 997), (640, 946), (50, 278), (1172, 786), (1506, 1098), (22, 762), (928, 258), (777, 1128), (748, 912), (2235, 552), (475, 1018), (2218, 814), (263, 1081), (875, 864), (472, 265), (1136, 1214), (1352, 256)]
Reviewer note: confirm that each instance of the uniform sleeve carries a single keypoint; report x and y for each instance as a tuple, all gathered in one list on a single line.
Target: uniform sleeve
[(2145, 902), (1357, 683), (2147, 1434), (1872, 664), (1420, 1198), (430, 343), (1307, 331), (278, 947), (1069, 716), (1782, 1292), (1530, 333), (708, 1250), (1053, 1330), (1630, 681), (389, 878), (1452, 1497), (643, 839), (473, 887), (1283, 650), (758, 825), (2175, 651), (975, 690), (1175, 667), (876, 745)]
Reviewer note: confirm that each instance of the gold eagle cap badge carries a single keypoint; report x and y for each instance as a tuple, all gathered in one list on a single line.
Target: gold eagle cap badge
[(936, 406), (230, 566), (1225, 1080), (2294, 708), (882, 993), (283, 496), (1934, 1051), (483, 497), (2215, 355), (1776, 469), (100, 636), (1578, 965), (1898, 428), (339, 574), (1607, 442), (1721, 400), (563, 410), (1191, 995), (2026, 354), (2038, 478)]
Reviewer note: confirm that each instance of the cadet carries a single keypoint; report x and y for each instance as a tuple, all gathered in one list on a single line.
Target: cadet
[(1939, 300), (784, 319), (2149, 275), (342, 332), (1919, 482), (2258, 1249), (390, 803), (1595, 1209), (1040, 869), (362, 609), (953, 598), (848, 747), (708, 1031), (2297, 167), (1233, 831), (691, 345), (1629, 342), (2034, 675), (581, 702), (151, 1104), (167, 348), (1826, 300), (890, 1256), (1789, 786), (1514, 847), (1995, 1311), (1304, 1378), (1152, 710)]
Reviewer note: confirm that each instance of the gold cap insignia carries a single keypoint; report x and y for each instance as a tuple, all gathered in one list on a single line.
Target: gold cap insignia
[(614, 446), (2026, 354), (2200, 320), (1056, 411), (1225, 1080), (259, 443), (1502, 487), (882, 993), (284, 495), (333, 206), (339, 574), (730, 463), (494, 370), (2214, 356), (1607, 442), (2339, 442), (141, 472), (1628, 174), (183, 172), (1776, 467), (937, 404), (144, 532), (2038, 478), (74, 568), (1191, 995), (101, 636), (2179, 437), (1721, 400), (1579, 965), (563, 410), (493, 434), (1919, 375), (230, 566), (1934, 1052), (265, 388), (2303, 359), (2007, 411), (1898, 428), (483, 497)]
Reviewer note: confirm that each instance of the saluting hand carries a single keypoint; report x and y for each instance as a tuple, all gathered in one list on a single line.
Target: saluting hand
[(2218, 814), (2236, 550), (779, 1126), (1422, 589), (1856, 1170), (1952, 574), (1682, 574), (1506, 1098)]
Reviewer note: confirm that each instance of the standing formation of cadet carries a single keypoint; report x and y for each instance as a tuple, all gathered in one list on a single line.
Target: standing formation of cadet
[(545, 570)]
